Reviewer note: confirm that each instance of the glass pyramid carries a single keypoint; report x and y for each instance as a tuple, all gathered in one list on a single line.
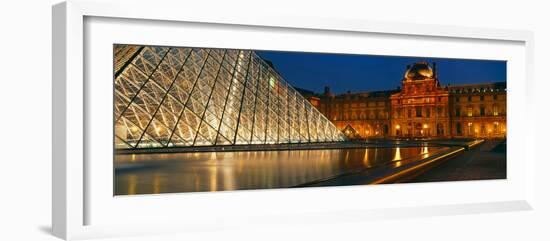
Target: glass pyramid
[(180, 97)]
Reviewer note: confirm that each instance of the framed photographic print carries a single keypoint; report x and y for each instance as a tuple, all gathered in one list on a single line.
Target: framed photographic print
[(280, 118)]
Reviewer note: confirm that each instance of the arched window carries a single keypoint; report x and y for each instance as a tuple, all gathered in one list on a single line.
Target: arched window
[(495, 127), (440, 130), (381, 114)]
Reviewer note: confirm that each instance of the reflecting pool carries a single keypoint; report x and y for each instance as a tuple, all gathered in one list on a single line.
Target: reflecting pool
[(222, 171)]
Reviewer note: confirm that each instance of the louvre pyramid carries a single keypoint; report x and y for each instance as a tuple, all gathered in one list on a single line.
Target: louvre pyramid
[(180, 97)]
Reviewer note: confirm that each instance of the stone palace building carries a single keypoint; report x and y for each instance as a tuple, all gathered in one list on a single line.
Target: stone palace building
[(420, 108)]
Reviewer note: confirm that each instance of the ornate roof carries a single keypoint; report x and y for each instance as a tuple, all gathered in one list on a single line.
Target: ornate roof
[(419, 71)]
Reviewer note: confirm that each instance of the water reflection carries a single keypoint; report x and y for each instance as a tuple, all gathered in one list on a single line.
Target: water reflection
[(192, 172), (425, 152), (397, 156)]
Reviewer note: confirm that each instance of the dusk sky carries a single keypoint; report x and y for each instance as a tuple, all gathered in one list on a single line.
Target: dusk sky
[(360, 73)]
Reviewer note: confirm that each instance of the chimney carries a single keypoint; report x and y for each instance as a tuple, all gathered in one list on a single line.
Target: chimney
[(327, 90)]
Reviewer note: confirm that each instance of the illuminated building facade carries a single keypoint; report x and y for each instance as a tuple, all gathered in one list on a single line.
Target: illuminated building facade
[(182, 97), (421, 108), (358, 115)]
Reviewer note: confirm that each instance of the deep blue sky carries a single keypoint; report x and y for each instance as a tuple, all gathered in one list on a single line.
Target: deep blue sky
[(359, 73)]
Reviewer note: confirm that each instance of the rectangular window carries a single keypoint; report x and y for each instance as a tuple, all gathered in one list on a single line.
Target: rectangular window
[(495, 111), (418, 112), (428, 112), (494, 97), (409, 113), (482, 111), (482, 98), (457, 99), (469, 98), (457, 112), (470, 111)]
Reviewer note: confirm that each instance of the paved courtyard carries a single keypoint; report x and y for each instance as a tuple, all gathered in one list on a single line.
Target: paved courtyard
[(487, 161)]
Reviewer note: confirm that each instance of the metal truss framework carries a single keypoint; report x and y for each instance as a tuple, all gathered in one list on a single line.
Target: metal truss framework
[(179, 97)]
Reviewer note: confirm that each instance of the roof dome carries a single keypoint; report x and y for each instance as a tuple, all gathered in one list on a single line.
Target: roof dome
[(419, 71)]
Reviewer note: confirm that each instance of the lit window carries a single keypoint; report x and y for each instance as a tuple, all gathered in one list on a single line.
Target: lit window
[(495, 111), (470, 111), (272, 81)]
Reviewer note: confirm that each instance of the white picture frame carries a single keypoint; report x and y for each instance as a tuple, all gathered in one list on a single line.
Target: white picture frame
[(75, 197)]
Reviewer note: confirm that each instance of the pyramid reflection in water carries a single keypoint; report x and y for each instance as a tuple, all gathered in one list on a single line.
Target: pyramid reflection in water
[(178, 97)]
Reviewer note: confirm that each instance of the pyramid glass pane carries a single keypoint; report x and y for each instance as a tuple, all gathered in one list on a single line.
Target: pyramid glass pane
[(182, 97)]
